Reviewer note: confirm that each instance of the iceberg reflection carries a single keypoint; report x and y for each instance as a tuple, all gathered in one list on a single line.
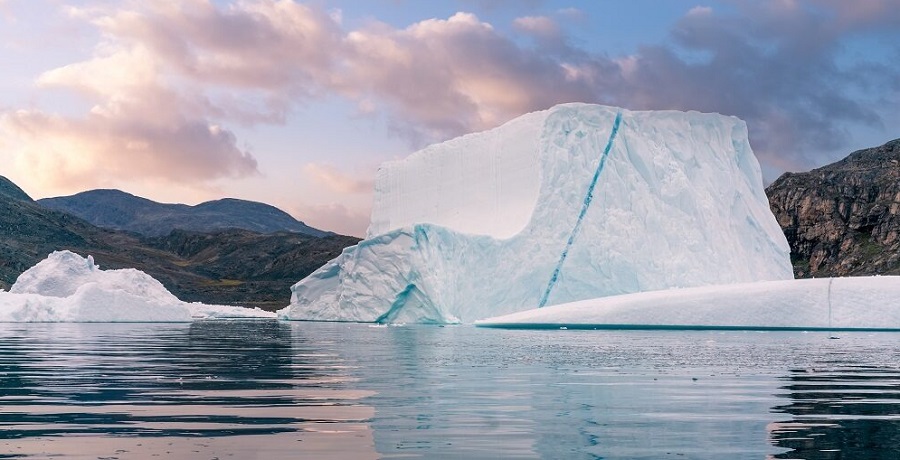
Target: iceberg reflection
[(849, 411)]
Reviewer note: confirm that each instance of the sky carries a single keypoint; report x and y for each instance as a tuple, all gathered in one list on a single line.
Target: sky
[(297, 103)]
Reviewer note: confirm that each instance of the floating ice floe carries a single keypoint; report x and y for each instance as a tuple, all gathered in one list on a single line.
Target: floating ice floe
[(576, 202), (66, 287), (869, 303)]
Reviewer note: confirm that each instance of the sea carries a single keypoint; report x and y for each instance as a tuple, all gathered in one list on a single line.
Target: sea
[(266, 389)]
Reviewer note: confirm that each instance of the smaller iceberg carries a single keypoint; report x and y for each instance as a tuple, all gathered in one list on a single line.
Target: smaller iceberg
[(66, 287), (857, 303)]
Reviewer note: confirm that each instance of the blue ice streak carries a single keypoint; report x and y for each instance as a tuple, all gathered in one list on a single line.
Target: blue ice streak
[(584, 208)]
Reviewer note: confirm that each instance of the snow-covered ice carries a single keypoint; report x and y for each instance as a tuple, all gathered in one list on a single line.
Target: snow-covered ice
[(207, 311), (66, 287), (823, 303), (575, 202)]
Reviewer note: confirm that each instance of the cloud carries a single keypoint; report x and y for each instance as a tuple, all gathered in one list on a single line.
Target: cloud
[(441, 78), (336, 181), (334, 217), (270, 46), (572, 14), (169, 78), (777, 66), (541, 26), (434, 79), (699, 11), (494, 5), (141, 125), (118, 146)]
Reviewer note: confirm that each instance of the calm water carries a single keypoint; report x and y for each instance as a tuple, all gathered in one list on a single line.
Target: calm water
[(269, 390)]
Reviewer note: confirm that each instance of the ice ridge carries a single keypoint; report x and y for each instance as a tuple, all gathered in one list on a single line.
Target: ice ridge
[(588, 197)]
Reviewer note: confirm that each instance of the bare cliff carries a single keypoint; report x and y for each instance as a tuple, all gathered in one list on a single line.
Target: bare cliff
[(844, 218)]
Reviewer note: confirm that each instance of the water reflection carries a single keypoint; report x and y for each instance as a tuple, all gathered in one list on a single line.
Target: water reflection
[(263, 389), (474, 393), (444, 393), (184, 391), (458, 392), (840, 412)]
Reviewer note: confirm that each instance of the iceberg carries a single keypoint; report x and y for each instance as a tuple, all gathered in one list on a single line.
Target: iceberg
[(576, 202), (66, 287), (867, 303)]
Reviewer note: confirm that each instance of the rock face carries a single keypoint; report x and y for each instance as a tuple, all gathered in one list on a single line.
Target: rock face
[(119, 210), (844, 218)]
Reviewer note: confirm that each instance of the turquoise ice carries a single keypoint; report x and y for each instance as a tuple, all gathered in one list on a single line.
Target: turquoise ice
[(576, 202)]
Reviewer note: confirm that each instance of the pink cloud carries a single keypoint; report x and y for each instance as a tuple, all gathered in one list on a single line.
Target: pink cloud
[(436, 78), (337, 181), (442, 78), (105, 148), (334, 217), (169, 78)]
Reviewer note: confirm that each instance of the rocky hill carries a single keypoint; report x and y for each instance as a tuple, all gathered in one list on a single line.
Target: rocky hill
[(29, 232), (11, 190), (243, 267), (844, 218), (236, 267), (119, 210)]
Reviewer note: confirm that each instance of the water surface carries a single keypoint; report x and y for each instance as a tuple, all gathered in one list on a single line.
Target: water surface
[(270, 390)]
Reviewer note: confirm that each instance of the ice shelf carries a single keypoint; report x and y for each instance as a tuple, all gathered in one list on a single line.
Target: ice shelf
[(868, 303)]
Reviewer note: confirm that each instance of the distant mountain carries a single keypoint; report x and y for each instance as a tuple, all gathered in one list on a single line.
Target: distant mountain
[(843, 218), (236, 267), (119, 210)]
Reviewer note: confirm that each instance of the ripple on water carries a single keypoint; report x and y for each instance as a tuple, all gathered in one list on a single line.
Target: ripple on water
[(205, 390), (264, 389)]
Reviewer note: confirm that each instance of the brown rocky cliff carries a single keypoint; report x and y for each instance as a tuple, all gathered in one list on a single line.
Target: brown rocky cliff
[(844, 218)]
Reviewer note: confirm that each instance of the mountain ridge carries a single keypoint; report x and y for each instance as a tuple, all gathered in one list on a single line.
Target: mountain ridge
[(8, 188), (233, 267), (119, 210)]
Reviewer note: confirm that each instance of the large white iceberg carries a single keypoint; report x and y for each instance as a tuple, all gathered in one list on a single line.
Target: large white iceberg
[(66, 287), (808, 304), (575, 202)]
